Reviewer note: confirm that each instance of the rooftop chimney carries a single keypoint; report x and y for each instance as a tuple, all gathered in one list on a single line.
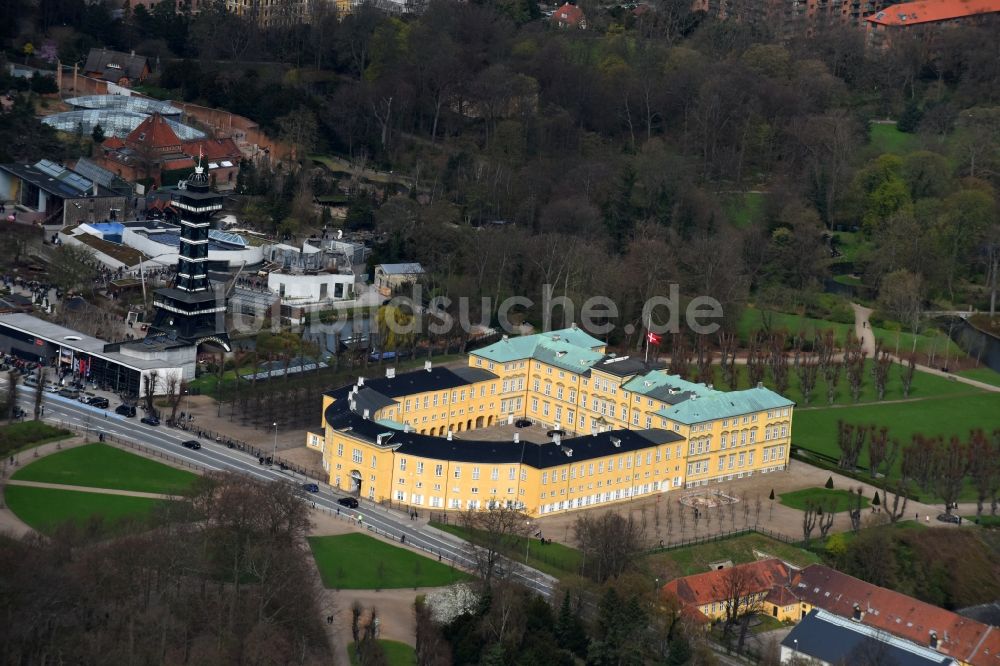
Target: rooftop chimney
[(390, 373), (361, 381), (517, 438), (366, 414), (505, 337), (857, 615), (617, 442), (449, 435), (427, 366)]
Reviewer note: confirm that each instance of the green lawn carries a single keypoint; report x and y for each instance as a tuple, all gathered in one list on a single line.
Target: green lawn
[(16, 436), (925, 385), (103, 466), (849, 243), (885, 138), (744, 209), (984, 374), (553, 558), (849, 280), (838, 498), (696, 559), (816, 429), (360, 562), (396, 653), (46, 508)]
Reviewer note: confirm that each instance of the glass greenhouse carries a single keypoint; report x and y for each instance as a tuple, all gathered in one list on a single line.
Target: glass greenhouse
[(114, 122), (124, 103)]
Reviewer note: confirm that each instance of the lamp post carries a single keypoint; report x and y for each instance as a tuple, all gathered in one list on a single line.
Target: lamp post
[(274, 452)]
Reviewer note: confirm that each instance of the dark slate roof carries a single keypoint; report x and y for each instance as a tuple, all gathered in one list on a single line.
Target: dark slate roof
[(422, 381), (835, 640), (114, 64), (626, 366), (58, 180), (985, 613)]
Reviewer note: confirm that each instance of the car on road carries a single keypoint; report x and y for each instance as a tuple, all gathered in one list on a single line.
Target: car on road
[(310, 487), (192, 444), (349, 502), (150, 420), (522, 423), (99, 402), (125, 410), (949, 518)]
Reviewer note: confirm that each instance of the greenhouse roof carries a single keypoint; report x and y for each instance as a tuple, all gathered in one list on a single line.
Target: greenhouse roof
[(114, 122), (123, 103)]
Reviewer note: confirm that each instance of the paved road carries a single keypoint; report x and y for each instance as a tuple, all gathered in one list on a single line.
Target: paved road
[(215, 457)]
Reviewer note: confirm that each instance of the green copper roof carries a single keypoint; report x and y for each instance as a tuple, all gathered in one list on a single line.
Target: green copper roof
[(653, 383), (721, 405), (569, 348)]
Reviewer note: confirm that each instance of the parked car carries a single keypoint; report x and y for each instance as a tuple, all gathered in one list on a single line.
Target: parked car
[(99, 402), (150, 420), (949, 518), (192, 444), (310, 487), (125, 410), (522, 423), (70, 393), (349, 502)]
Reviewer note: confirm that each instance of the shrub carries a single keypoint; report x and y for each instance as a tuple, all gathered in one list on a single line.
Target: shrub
[(829, 483)]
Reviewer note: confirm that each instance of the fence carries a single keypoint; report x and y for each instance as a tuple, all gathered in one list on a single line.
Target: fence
[(722, 536)]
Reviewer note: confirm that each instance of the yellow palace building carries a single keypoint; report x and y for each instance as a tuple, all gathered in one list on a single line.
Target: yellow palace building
[(622, 429)]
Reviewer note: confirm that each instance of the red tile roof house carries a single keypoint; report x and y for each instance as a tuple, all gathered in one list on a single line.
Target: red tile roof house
[(951, 634), (925, 15), (709, 592), (569, 16)]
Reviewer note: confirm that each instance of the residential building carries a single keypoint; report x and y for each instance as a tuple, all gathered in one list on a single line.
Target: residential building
[(790, 18), (52, 194), (569, 16), (270, 13), (123, 69), (967, 641), (391, 277), (713, 595), (925, 18), (825, 639), (641, 431)]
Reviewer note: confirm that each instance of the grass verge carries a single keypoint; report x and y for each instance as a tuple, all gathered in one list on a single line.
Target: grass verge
[(553, 558), (360, 562), (44, 509), (396, 653), (103, 466), (17, 436), (840, 500), (745, 548)]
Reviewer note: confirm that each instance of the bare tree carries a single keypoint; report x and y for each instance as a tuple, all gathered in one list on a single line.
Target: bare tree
[(809, 517), (609, 544), (881, 450), (757, 355), (150, 382), (951, 463), (907, 372), (703, 359), (983, 465), (832, 374), (854, 365), (741, 601), (727, 351), (808, 370), (825, 518), (882, 363), (850, 441), (39, 391), (779, 363), (498, 529)]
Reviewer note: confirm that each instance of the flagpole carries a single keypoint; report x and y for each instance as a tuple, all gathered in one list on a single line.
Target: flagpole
[(648, 321)]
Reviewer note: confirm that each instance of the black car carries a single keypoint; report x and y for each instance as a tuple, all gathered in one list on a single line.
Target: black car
[(349, 502), (192, 444), (125, 410), (949, 518), (310, 487), (150, 420), (99, 402), (522, 423)]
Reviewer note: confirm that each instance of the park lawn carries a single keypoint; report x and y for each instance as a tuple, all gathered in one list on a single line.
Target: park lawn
[(838, 498), (744, 209), (352, 562), (553, 558), (849, 243), (753, 319), (740, 549), (16, 436), (103, 466), (885, 138), (816, 429), (396, 653), (44, 509), (925, 385), (984, 374)]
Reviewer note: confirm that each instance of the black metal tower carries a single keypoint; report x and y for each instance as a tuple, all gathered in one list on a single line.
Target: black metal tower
[(191, 311)]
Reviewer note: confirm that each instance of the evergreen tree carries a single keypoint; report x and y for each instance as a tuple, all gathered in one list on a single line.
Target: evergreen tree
[(570, 632), (98, 134)]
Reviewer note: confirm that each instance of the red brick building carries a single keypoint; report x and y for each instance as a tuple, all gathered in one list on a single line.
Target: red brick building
[(924, 17), (569, 16)]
